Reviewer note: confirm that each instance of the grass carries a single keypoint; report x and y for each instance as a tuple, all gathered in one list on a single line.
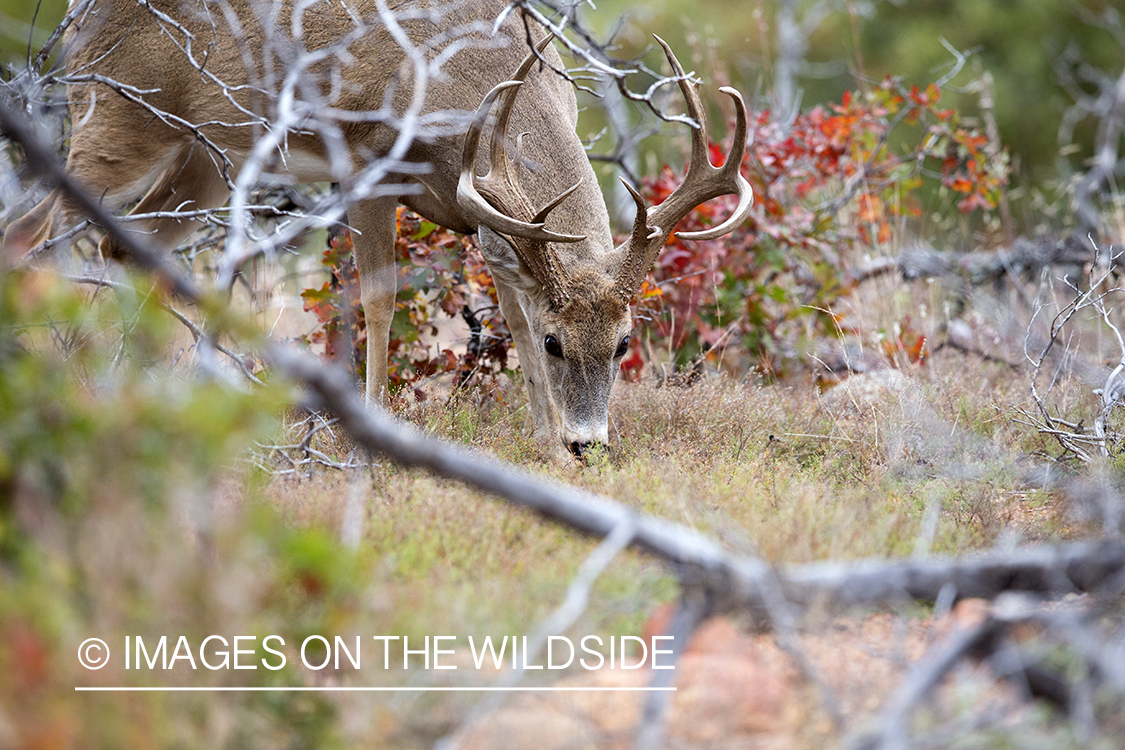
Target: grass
[(130, 507), (797, 477), (777, 472), (771, 471)]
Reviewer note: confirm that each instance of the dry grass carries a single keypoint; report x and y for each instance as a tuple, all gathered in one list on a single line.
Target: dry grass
[(780, 472), (887, 464)]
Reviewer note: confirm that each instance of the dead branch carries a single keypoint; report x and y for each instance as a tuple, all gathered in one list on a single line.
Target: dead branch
[(1001, 642), (1106, 107), (1048, 569), (920, 682), (559, 621), (1096, 297), (300, 459), (693, 609), (201, 337), (1025, 258), (713, 580), (732, 582)]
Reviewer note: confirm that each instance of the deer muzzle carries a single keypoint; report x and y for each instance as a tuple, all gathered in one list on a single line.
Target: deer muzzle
[(579, 440)]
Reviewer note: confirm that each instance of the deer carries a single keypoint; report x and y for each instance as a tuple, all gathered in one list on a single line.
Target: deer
[(564, 291)]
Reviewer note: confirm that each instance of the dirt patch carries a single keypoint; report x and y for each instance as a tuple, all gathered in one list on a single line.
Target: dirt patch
[(734, 690)]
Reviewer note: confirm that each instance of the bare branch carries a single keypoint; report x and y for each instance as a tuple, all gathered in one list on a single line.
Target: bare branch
[(200, 336), (713, 580)]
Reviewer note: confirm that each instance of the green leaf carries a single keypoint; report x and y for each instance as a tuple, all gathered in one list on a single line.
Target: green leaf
[(425, 230)]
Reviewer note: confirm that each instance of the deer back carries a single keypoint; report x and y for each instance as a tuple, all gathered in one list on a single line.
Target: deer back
[(224, 67)]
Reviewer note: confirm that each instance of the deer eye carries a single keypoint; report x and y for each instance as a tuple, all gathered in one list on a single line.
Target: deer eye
[(622, 347), (551, 344)]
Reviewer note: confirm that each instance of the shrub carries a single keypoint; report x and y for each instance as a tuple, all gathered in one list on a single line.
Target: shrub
[(827, 185)]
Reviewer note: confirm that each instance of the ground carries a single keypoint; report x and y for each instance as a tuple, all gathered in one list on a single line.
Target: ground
[(146, 501), (886, 464)]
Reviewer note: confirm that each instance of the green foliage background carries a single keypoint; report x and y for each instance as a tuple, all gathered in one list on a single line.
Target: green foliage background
[(1017, 41), (16, 25)]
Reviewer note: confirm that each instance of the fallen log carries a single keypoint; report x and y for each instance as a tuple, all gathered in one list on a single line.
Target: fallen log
[(1025, 257)]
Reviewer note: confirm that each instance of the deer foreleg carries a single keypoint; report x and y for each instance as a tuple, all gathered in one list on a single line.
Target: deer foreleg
[(543, 418), (373, 238)]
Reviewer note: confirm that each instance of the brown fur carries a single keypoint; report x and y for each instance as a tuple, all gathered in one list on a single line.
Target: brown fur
[(122, 152)]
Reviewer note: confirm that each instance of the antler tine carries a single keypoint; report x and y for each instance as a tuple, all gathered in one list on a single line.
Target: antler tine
[(497, 151), (542, 215), (470, 199), (695, 108), (728, 173), (641, 226), (704, 180), (503, 178), (635, 262)]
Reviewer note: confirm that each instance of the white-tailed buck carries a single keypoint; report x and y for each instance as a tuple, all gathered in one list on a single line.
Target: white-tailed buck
[(170, 97)]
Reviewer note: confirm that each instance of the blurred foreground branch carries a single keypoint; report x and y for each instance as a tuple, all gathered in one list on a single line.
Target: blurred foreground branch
[(731, 582), (714, 580)]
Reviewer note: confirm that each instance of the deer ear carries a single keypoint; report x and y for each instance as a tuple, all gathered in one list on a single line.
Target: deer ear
[(504, 263)]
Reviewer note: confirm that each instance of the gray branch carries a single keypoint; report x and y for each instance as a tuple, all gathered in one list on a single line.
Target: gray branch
[(713, 579), (1024, 258), (732, 582)]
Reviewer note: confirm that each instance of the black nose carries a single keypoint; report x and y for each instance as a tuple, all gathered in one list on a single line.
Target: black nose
[(581, 450)]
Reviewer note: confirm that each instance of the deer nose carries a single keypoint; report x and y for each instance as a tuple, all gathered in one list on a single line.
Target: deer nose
[(580, 450)]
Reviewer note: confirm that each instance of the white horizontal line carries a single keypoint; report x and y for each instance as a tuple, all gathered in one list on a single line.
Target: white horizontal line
[(323, 689)]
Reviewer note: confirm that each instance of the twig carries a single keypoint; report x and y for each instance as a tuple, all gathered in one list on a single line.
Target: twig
[(922, 678), (695, 606), (559, 621), (200, 336)]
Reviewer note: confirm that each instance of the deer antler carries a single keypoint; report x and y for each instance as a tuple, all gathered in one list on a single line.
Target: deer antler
[(501, 184), (497, 200), (498, 182), (703, 182), (502, 180)]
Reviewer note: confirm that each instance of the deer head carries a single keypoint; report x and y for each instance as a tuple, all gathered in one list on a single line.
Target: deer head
[(577, 312)]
